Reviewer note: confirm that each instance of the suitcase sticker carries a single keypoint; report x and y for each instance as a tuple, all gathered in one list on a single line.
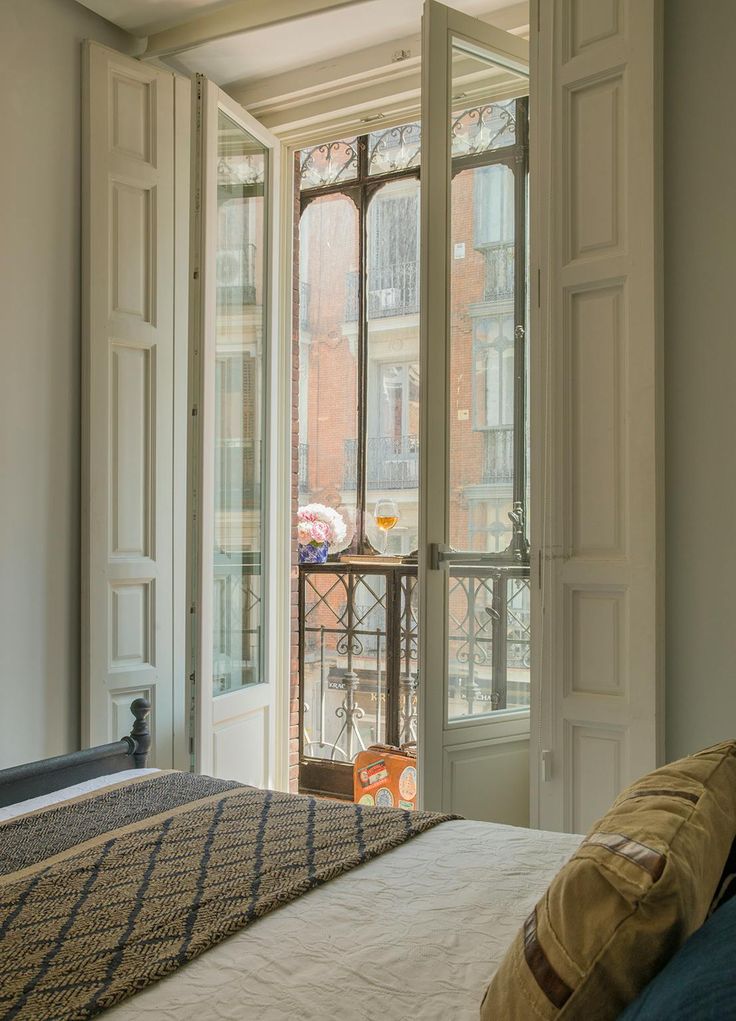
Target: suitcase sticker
[(385, 776)]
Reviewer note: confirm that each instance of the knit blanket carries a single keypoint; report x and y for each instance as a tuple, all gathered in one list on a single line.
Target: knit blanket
[(103, 895)]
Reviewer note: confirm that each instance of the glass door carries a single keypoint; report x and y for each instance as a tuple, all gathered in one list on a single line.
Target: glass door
[(474, 564), (233, 323)]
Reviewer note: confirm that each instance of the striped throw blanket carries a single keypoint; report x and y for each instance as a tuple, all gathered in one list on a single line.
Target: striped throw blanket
[(103, 895)]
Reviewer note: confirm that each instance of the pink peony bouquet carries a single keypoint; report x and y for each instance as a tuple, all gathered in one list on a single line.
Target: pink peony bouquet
[(318, 524)]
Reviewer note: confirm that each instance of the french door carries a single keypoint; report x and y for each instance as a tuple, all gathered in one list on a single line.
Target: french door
[(473, 565), (233, 481)]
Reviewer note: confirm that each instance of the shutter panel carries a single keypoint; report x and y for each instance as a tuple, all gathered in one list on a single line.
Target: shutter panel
[(597, 404), (128, 392)]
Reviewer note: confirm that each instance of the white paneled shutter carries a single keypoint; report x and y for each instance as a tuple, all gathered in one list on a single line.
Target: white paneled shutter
[(596, 426), (131, 447)]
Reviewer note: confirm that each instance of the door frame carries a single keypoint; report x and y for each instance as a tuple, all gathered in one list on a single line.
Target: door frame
[(512, 725)]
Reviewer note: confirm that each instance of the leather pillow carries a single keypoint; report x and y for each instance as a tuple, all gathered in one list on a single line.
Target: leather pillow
[(640, 883)]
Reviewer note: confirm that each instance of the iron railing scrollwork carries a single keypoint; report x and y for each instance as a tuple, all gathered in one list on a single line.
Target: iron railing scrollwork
[(358, 657)]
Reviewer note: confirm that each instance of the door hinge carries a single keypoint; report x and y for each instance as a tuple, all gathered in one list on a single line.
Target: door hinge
[(546, 764)]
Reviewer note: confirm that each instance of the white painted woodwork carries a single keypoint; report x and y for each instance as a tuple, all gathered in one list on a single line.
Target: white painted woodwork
[(233, 19), (476, 767), (235, 734), (132, 375), (357, 88), (597, 655)]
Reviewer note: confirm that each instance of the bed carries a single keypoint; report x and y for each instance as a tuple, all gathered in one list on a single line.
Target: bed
[(412, 933), (142, 893)]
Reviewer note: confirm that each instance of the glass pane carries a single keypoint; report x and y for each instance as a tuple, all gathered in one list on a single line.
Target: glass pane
[(240, 329), (518, 639), (488, 606), (329, 163), (394, 149), (482, 351), (328, 356), (489, 641), (392, 379)]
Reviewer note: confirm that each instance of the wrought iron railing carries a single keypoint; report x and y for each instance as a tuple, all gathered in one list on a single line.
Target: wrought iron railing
[(390, 463), (499, 284), (498, 455), (358, 678), (392, 291)]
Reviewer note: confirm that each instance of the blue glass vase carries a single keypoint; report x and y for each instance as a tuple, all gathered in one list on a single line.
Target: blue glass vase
[(311, 554)]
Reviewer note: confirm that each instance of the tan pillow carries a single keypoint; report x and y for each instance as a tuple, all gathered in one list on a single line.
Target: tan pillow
[(639, 885)]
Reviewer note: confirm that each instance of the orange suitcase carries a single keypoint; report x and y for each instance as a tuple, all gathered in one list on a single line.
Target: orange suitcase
[(386, 775)]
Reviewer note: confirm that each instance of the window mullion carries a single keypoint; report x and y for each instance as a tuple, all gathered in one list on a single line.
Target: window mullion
[(364, 545)]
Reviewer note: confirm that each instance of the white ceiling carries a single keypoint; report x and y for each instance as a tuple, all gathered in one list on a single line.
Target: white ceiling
[(283, 46), (142, 17)]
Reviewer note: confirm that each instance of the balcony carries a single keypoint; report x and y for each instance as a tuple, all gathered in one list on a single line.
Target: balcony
[(358, 640), (392, 291), (498, 455), (390, 463), (500, 273)]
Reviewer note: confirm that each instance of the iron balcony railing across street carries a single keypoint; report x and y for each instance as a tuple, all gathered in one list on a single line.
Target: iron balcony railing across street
[(394, 463)]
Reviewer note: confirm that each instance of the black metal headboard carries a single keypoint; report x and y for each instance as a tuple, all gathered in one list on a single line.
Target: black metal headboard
[(18, 783)]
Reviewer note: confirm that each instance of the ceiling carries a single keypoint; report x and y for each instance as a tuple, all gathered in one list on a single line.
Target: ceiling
[(292, 44), (141, 17), (280, 47)]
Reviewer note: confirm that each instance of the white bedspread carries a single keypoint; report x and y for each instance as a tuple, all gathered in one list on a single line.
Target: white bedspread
[(416, 933)]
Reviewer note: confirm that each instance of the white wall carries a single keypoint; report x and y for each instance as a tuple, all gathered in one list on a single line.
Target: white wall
[(40, 169), (700, 371), (40, 369)]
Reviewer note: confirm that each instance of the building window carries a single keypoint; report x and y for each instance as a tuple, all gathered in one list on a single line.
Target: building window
[(494, 217), (493, 339)]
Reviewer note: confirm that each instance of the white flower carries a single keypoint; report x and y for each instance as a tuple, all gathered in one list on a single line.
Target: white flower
[(314, 513)]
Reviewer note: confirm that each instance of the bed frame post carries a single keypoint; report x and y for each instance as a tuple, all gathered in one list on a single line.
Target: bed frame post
[(140, 733)]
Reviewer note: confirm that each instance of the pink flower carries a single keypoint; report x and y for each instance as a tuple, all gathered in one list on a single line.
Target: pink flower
[(304, 534), (318, 524), (320, 532)]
